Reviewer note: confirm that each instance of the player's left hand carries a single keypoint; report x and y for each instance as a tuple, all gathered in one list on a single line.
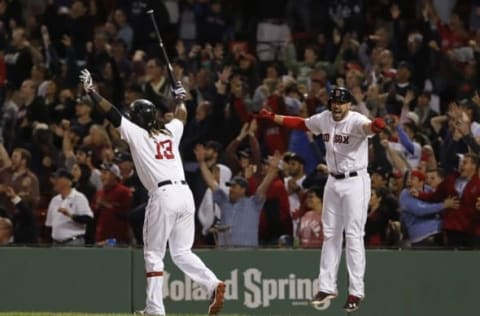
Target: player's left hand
[(86, 80), (178, 91), (378, 125), (266, 115)]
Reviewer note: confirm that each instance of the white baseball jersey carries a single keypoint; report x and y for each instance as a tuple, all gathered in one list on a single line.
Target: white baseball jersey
[(63, 227), (345, 200), (170, 211), (156, 157), (345, 141)]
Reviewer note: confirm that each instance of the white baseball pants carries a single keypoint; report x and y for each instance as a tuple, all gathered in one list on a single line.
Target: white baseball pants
[(169, 216), (345, 207)]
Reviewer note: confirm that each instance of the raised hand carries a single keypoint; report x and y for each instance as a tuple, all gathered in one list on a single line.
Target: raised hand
[(378, 124), (266, 115), (86, 80), (178, 91)]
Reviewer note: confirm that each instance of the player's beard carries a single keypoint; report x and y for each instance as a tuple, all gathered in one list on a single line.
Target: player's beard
[(338, 116)]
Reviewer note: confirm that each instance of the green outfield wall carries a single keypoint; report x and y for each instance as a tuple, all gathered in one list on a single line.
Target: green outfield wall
[(259, 282)]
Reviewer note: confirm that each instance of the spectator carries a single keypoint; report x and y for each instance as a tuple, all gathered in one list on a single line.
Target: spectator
[(23, 224), (212, 23), (125, 32), (81, 180), (422, 220), (382, 210), (310, 232), (80, 27), (68, 212), (21, 179), (460, 224), (302, 70), (399, 88), (31, 110), (379, 178), (111, 205), (239, 212), (239, 163), (6, 229), (433, 178), (295, 166), (207, 211), (139, 193), (83, 116), (275, 219), (198, 130), (18, 59), (156, 86)]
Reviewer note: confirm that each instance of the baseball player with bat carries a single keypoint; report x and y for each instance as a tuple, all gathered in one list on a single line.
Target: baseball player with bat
[(169, 214), (347, 191)]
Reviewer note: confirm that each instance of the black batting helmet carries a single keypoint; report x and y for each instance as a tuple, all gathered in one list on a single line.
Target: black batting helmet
[(339, 95), (143, 113)]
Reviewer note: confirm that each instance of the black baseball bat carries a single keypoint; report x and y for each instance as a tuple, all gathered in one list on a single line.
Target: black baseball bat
[(171, 75)]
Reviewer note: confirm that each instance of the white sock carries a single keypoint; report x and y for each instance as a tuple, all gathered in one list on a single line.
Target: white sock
[(154, 304)]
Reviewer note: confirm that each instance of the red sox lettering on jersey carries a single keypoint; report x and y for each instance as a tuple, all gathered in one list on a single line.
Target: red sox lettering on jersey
[(345, 140), (340, 139)]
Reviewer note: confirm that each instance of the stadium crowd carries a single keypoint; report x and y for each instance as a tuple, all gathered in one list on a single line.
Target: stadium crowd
[(67, 178)]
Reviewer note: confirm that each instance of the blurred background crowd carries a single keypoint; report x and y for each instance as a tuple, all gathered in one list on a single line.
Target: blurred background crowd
[(66, 177)]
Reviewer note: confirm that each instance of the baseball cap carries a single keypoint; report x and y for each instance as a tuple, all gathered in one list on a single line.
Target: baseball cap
[(293, 156), (77, 129), (84, 100), (419, 174), (466, 103), (244, 153), (62, 173), (397, 174), (404, 64), (122, 156), (85, 149), (214, 145), (413, 117), (241, 181), (381, 171), (113, 168)]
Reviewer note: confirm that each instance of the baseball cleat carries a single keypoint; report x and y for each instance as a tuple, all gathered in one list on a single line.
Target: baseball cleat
[(352, 303), (322, 297), (216, 301)]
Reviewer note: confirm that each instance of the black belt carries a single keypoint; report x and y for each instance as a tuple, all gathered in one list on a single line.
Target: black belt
[(167, 182), (343, 176), (69, 239)]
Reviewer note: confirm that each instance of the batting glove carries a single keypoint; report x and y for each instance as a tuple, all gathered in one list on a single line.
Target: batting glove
[(378, 125), (86, 80), (179, 91), (266, 115)]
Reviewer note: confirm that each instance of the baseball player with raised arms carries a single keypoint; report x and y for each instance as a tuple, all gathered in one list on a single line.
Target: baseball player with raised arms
[(169, 215), (347, 191)]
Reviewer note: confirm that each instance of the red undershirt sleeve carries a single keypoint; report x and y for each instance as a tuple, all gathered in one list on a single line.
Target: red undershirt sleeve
[(294, 122)]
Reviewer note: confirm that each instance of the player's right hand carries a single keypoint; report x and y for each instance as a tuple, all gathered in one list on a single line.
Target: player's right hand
[(86, 80), (266, 115)]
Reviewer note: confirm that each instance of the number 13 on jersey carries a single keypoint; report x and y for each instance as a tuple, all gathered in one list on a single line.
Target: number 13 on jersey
[(164, 150)]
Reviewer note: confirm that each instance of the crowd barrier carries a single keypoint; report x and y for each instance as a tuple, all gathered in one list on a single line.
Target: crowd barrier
[(259, 282)]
